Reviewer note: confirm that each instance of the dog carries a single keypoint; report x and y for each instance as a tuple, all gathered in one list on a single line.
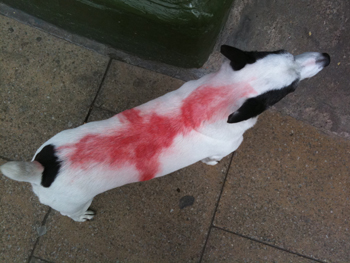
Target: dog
[(204, 120)]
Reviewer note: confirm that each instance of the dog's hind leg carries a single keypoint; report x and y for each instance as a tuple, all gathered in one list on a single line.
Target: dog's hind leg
[(82, 214)]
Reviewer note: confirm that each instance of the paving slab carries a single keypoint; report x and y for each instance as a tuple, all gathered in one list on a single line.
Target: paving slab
[(288, 186), (161, 220), (21, 215), (223, 246), (46, 85), (127, 86)]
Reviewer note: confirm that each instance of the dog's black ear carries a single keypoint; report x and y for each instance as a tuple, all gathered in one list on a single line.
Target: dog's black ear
[(252, 107), (239, 58)]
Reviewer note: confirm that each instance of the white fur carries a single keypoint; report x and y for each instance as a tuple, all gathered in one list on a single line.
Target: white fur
[(74, 187)]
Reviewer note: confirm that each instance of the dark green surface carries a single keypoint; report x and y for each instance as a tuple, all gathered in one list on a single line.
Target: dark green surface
[(177, 32)]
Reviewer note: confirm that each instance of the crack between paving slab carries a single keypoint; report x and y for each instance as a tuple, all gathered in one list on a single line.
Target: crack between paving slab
[(37, 239), (105, 109), (43, 260), (267, 244), (98, 91), (216, 208), (5, 158)]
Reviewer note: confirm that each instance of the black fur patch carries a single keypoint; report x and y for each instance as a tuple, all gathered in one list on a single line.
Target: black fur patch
[(240, 58), (47, 158), (254, 106)]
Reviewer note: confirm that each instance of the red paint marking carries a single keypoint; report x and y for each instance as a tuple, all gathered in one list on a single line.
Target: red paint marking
[(143, 137)]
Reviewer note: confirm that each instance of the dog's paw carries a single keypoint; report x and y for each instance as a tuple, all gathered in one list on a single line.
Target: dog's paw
[(87, 215), (211, 161)]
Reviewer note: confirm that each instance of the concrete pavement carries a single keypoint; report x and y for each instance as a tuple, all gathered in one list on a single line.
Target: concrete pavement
[(282, 197)]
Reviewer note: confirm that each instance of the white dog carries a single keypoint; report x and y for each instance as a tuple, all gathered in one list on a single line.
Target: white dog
[(203, 120)]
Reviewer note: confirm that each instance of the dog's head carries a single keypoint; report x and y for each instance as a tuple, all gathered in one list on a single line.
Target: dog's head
[(273, 75)]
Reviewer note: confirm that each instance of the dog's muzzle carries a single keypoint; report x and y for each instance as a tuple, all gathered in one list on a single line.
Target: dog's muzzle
[(311, 63)]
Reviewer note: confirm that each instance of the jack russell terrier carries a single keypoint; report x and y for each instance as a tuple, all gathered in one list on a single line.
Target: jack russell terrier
[(204, 120)]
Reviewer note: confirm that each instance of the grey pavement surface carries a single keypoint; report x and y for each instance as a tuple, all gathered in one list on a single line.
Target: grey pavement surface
[(282, 197)]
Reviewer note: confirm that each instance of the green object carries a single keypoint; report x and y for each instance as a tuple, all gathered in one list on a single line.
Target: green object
[(178, 32)]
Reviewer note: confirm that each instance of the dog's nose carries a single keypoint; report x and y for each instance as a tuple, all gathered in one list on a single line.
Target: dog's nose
[(324, 60)]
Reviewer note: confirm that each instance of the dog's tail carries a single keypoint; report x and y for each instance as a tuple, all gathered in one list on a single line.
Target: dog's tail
[(23, 171)]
